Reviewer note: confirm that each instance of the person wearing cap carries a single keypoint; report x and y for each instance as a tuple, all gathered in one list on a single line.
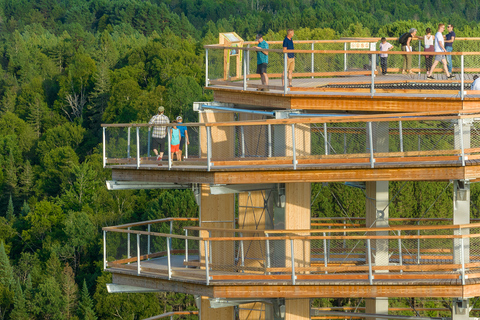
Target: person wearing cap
[(183, 134), (262, 60), (159, 133), (175, 141)]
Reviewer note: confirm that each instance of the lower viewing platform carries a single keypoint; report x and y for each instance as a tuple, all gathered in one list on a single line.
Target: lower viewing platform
[(350, 261), (256, 149)]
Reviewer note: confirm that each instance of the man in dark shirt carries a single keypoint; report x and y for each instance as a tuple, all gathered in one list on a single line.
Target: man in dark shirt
[(288, 45), (449, 38)]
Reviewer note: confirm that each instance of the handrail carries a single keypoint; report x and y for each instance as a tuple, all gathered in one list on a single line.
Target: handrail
[(171, 314)]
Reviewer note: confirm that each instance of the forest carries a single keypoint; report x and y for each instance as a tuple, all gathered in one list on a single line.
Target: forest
[(69, 65)]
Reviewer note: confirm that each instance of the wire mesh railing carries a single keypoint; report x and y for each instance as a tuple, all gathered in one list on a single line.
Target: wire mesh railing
[(345, 67), (423, 252), (303, 143)]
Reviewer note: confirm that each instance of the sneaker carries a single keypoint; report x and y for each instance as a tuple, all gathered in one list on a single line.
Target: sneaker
[(159, 158), (430, 78), (451, 76)]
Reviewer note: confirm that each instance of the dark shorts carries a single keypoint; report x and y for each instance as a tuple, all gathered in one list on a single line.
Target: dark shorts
[(262, 68), (159, 144), (182, 143)]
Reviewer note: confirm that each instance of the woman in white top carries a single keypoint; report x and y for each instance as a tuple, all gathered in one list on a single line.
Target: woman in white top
[(428, 41)]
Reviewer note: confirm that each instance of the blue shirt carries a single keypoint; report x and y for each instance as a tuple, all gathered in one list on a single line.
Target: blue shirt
[(288, 43), (182, 130), (262, 57), (449, 37)]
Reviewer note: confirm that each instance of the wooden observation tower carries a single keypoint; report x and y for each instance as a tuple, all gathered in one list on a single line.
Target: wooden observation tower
[(254, 252)]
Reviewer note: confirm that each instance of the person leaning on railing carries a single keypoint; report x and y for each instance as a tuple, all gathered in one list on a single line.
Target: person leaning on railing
[(159, 133), (262, 61)]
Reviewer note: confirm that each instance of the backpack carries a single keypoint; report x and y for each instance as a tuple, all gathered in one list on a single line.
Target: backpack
[(402, 39)]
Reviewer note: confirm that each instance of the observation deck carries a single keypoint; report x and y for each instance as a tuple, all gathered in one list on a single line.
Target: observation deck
[(252, 158)]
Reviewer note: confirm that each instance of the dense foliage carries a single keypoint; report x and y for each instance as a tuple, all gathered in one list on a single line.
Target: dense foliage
[(67, 66)]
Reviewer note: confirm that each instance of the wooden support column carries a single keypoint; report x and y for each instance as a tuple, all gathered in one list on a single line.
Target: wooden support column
[(217, 211), (297, 217), (377, 215)]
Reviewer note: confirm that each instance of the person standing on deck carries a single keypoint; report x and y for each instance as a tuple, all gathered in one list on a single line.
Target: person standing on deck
[(159, 133), (449, 38), (407, 47), (262, 61), (439, 47), (288, 45)]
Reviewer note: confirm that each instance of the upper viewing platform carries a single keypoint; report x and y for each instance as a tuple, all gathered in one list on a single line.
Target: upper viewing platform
[(342, 75)]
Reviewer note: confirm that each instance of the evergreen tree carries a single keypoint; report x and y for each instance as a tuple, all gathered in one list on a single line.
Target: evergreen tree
[(69, 290), (6, 270), (10, 212), (85, 307), (19, 311), (27, 179), (11, 179), (25, 209)]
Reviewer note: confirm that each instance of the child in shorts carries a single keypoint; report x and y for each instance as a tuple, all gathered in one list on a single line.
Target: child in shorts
[(175, 141)]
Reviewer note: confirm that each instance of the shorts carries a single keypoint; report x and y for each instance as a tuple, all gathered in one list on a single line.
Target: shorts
[(290, 64), (262, 68), (182, 143), (440, 57), (175, 148), (159, 144)]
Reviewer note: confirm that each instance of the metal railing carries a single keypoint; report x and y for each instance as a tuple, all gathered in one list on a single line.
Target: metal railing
[(328, 66), (427, 252), (292, 144)]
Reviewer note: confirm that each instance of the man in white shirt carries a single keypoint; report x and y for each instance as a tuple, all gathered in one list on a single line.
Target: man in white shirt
[(476, 83), (439, 47)]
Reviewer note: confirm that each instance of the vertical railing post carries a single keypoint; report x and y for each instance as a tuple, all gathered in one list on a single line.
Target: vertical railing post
[(128, 142), (169, 259), (462, 74), (400, 256), (138, 253), (269, 140), (374, 67), (313, 59), (149, 252), (294, 148), (244, 65), (186, 248), (400, 133), (285, 71), (149, 143), (138, 147), (462, 256), (325, 253), (292, 252), (242, 139), (171, 232), (104, 148), (104, 249), (370, 144), (209, 148), (345, 56), (170, 155), (325, 138), (206, 262), (419, 56), (247, 53), (242, 252), (267, 250), (462, 146), (369, 254), (128, 245), (206, 67), (418, 247)]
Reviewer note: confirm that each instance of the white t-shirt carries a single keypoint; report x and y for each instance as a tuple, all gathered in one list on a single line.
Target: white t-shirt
[(428, 42), (384, 47), (438, 39)]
